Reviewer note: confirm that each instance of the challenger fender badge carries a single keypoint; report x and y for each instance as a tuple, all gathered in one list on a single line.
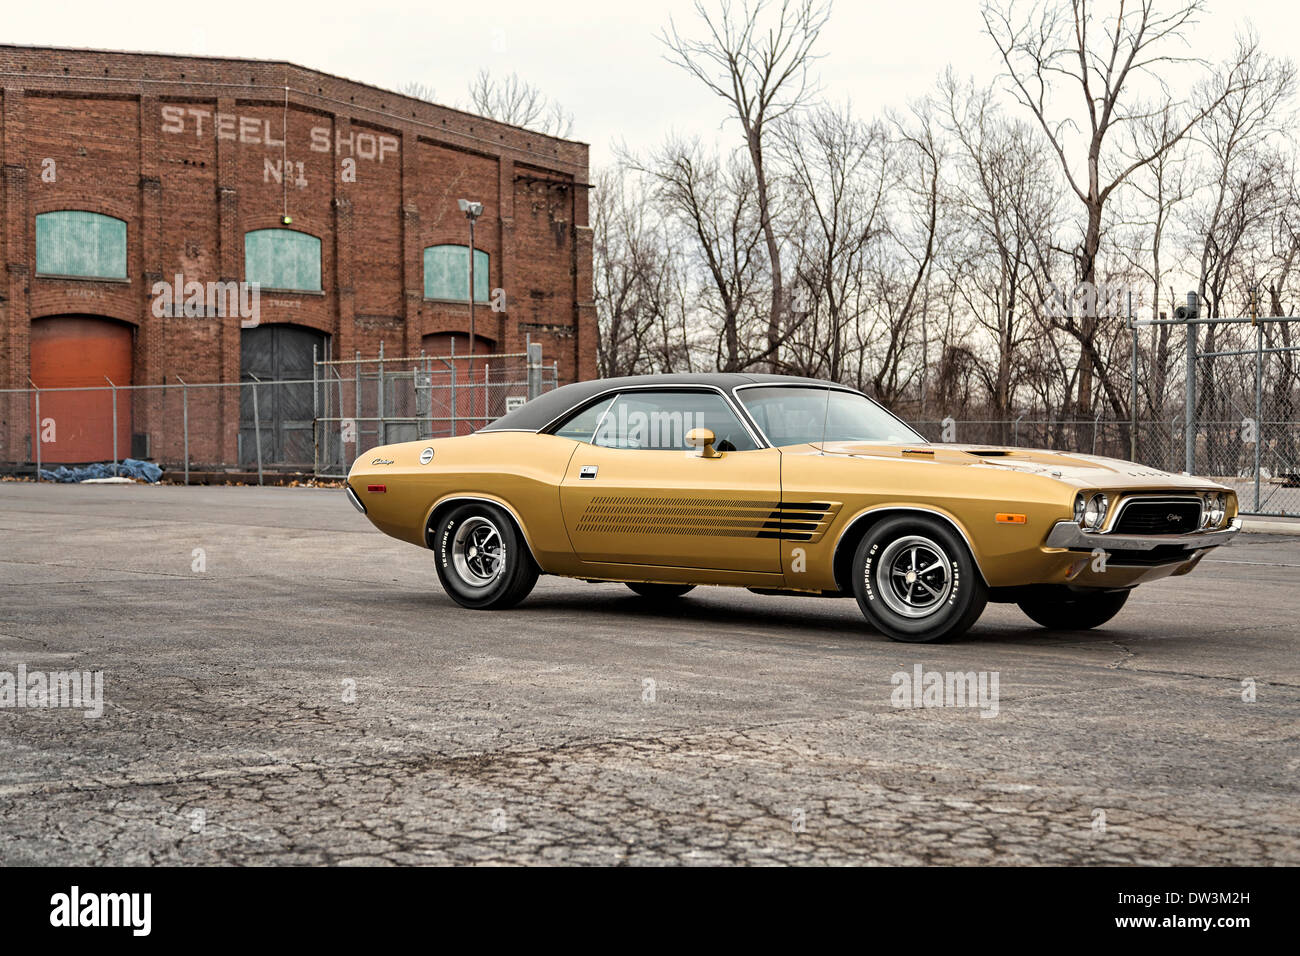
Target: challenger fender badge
[(382, 461), (426, 456)]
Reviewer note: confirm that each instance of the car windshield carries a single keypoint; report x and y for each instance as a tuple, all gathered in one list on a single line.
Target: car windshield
[(792, 415)]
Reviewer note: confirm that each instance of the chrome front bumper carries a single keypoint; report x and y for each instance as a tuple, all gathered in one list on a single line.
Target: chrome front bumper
[(1068, 534)]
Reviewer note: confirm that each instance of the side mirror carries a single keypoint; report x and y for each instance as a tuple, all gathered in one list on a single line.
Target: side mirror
[(703, 439)]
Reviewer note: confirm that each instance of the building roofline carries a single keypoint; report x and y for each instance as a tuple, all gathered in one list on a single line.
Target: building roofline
[(287, 64)]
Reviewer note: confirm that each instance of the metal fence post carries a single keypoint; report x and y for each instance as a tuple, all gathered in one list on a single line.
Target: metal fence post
[(1189, 413), (36, 433), (455, 411), (379, 397), (534, 370), (315, 412), (1259, 396), (114, 387), (185, 423), (1173, 453), (1133, 385), (257, 428), (427, 365)]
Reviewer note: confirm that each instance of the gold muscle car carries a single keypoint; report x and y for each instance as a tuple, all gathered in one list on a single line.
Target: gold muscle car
[(784, 486)]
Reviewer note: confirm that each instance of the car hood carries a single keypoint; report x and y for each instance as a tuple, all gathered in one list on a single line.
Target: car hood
[(1083, 471)]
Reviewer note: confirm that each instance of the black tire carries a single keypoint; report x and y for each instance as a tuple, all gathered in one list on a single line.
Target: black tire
[(660, 590), (1060, 609), (483, 561), (917, 605)]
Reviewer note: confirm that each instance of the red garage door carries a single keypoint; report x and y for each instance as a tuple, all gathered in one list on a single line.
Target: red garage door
[(78, 351), (474, 401)]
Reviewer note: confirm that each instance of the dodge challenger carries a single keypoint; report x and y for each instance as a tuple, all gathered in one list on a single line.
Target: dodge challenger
[(784, 485)]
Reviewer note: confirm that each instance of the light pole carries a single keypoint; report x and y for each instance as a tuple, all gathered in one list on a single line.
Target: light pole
[(472, 211)]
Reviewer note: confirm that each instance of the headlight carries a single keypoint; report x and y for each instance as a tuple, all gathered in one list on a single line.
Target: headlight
[(1214, 510), (1080, 505), (1094, 513)]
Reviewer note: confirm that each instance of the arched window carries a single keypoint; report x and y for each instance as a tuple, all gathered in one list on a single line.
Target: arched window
[(282, 259), (72, 242), (446, 273)]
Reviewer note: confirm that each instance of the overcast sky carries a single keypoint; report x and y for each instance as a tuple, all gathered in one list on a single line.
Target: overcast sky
[(602, 60)]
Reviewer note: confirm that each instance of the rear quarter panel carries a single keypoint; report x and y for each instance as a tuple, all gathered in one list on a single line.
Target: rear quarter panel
[(519, 470)]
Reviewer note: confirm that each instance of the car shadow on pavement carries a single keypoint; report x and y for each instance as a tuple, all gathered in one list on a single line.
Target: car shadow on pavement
[(815, 619)]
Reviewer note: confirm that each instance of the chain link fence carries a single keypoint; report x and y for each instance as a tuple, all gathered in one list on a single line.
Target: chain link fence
[(1224, 451), (1246, 432), (1247, 390), (375, 401), (1231, 413), (241, 431)]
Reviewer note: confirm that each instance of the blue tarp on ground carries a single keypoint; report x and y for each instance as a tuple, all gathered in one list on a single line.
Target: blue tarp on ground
[(126, 468)]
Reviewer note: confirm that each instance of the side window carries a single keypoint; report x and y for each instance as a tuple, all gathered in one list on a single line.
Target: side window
[(660, 421), (582, 425)]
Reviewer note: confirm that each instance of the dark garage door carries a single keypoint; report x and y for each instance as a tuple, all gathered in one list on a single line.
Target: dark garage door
[(275, 353)]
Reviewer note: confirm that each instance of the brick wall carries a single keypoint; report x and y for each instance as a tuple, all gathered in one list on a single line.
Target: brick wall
[(187, 152)]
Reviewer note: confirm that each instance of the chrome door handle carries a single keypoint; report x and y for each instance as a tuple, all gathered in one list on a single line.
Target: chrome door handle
[(588, 471)]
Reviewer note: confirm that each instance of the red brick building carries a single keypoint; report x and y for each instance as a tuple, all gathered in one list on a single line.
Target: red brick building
[(126, 170)]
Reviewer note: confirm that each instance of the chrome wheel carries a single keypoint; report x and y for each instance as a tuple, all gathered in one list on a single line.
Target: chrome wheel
[(914, 576), (478, 553)]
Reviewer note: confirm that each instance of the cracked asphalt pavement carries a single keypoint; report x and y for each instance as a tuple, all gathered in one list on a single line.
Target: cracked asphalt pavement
[(284, 684)]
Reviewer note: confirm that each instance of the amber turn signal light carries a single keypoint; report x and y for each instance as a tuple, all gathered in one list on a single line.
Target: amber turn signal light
[(1004, 518)]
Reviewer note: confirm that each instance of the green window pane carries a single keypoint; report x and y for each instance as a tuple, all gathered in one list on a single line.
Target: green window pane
[(76, 243), (446, 273), (282, 259)]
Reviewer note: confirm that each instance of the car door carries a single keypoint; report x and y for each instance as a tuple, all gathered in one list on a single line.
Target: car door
[(636, 493)]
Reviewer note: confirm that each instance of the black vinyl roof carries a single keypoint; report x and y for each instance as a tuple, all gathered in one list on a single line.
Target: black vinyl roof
[(541, 411)]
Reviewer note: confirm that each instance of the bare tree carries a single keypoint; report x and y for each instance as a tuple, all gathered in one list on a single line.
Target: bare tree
[(841, 170), (1242, 115), (713, 202), (900, 273), (1004, 201), (637, 279), (417, 90), (1156, 195), (761, 71), (514, 101), (1055, 50)]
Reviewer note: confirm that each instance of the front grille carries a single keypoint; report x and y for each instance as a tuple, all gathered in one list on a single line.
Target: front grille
[(1177, 516), (1165, 554)]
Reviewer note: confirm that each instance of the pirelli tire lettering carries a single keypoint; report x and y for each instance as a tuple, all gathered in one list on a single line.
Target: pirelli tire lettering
[(916, 579), (871, 596), (482, 560)]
